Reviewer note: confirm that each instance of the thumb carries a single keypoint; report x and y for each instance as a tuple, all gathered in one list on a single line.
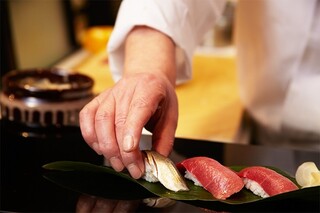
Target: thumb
[(164, 133)]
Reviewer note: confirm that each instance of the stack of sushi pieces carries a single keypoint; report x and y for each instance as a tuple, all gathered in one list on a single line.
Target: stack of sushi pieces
[(222, 182)]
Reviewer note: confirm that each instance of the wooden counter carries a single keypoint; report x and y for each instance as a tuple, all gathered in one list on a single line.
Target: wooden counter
[(209, 105)]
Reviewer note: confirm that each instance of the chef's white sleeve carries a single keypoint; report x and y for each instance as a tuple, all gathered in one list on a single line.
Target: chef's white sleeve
[(184, 21)]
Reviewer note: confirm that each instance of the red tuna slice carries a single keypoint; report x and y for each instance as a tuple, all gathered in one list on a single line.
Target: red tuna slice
[(270, 181), (219, 180)]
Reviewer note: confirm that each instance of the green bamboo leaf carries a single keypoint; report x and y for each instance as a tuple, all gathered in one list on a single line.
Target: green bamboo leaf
[(105, 182)]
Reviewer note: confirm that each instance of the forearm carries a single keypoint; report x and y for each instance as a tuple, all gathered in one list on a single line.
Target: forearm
[(148, 50)]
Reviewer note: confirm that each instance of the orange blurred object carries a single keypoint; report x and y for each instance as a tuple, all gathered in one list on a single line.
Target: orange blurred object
[(96, 38)]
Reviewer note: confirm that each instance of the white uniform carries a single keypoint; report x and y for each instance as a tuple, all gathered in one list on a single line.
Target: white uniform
[(278, 46)]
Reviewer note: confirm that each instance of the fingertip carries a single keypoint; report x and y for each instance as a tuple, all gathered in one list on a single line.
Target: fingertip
[(164, 146), (96, 148), (141, 165), (116, 164), (134, 162), (134, 171)]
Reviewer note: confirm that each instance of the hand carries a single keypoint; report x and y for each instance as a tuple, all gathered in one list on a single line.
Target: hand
[(113, 121), (145, 97)]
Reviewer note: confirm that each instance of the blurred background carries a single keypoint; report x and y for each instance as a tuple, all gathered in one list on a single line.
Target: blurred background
[(37, 33), (73, 34)]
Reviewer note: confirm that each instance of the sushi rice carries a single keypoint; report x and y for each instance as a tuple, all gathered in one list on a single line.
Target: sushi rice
[(249, 184), (190, 176), (255, 187)]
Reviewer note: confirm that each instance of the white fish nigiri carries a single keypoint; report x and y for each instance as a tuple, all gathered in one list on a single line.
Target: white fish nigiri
[(160, 168)]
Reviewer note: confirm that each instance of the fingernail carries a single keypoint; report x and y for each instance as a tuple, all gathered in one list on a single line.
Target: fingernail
[(134, 170), (96, 148), (128, 143), (116, 164)]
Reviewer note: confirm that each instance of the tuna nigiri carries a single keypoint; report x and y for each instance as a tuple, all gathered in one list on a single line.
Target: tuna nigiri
[(265, 182), (219, 180)]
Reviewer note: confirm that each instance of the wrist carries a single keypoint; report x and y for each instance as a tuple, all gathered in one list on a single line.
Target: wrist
[(150, 51)]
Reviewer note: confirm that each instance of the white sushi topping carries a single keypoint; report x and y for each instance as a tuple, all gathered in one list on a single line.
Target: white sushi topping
[(162, 169), (255, 187), (190, 176), (150, 173)]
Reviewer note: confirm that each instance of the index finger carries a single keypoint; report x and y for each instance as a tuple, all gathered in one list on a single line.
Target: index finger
[(140, 112)]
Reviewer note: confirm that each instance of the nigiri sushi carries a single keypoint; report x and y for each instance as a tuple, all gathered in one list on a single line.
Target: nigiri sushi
[(162, 169), (219, 180), (265, 182)]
